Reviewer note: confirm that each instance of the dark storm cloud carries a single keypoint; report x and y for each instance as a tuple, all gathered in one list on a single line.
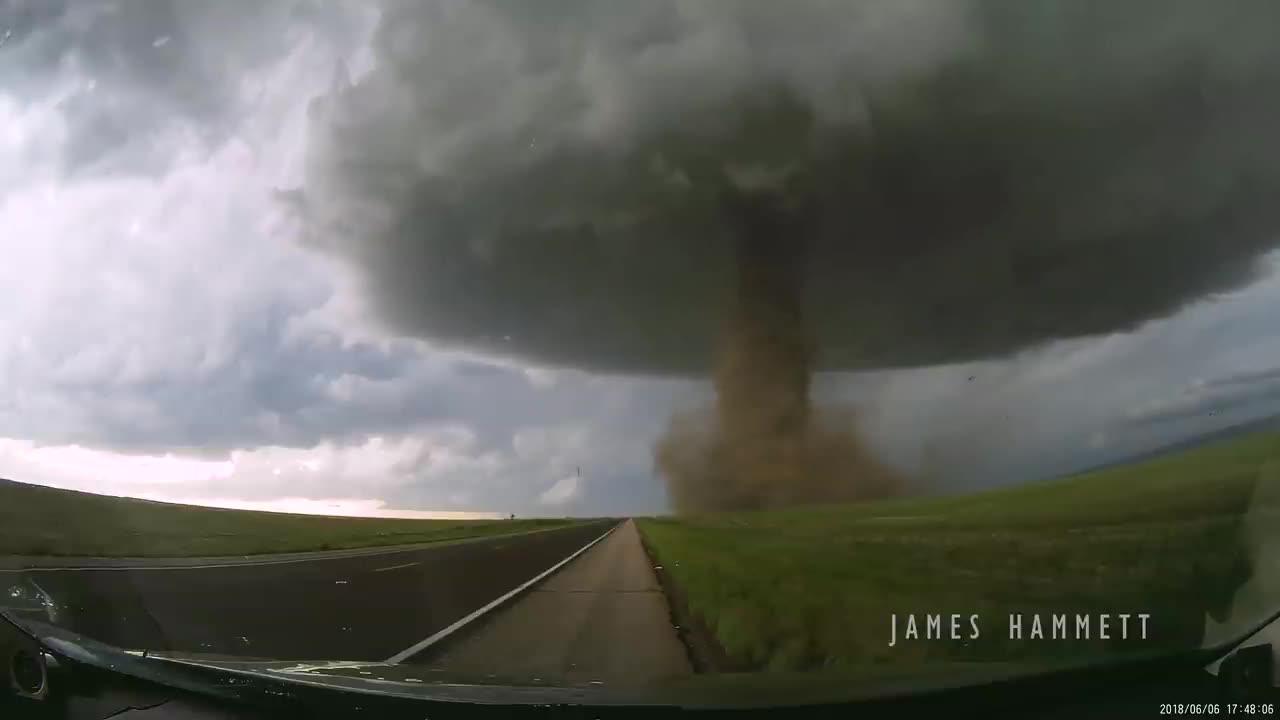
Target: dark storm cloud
[(547, 181), (130, 71)]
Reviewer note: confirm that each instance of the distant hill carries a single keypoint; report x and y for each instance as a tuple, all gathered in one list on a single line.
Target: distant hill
[(39, 520), (1271, 422)]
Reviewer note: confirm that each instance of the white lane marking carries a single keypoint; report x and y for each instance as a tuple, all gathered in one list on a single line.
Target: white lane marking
[(432, 640), (396, 567), (358, 552)]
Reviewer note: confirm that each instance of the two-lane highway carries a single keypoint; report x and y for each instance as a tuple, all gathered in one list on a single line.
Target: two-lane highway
[(602, 619), (362, 607)]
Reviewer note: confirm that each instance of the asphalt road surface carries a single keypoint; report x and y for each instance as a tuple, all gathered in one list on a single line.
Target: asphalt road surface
[(362, 607), (602, 618)]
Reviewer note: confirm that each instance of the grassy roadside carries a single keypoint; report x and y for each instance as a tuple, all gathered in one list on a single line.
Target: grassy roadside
[(803, 589), (36, 520)]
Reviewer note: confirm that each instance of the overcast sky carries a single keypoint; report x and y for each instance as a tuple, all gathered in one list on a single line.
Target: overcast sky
[(167, 334)]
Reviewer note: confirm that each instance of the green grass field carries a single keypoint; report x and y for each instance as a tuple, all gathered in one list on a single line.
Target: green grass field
[(37, 520), (803, 589)]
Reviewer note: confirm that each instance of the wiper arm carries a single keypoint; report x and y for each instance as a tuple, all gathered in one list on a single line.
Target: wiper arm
[(77, 648)]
